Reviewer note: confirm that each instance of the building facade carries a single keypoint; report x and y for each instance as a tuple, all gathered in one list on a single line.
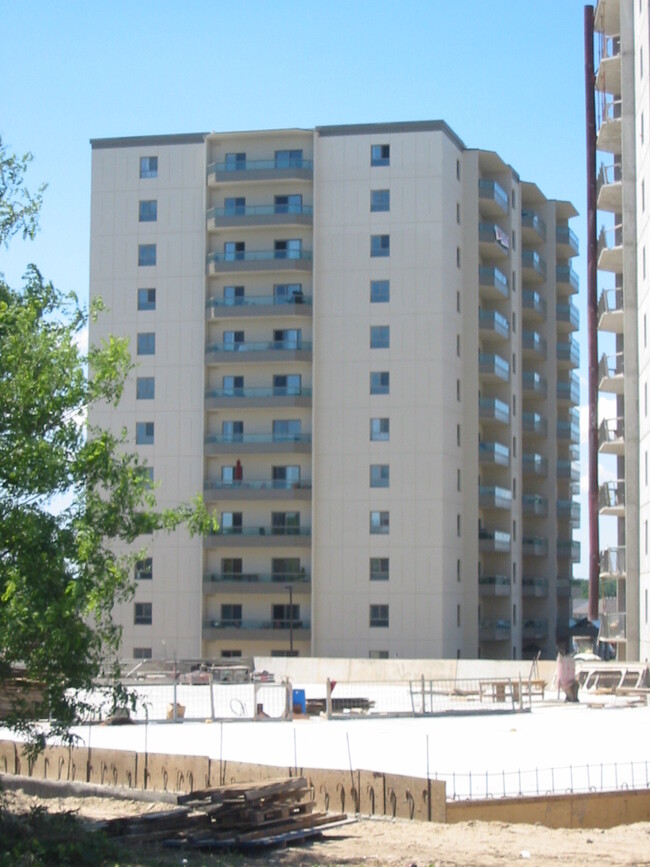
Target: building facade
[(622, 115), (358, 342)]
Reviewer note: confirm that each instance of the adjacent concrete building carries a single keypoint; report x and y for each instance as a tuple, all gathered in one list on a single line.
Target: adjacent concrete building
[(358, 341)]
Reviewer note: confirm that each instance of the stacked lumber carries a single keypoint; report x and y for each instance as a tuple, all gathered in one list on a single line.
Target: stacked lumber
[(242, 815)]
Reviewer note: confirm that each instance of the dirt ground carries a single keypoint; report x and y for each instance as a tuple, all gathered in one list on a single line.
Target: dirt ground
[(400, 843)]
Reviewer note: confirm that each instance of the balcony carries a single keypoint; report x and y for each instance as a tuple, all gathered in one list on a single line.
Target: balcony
[(494, 630), (534, 384), (535, 629), (493, 325), (608, 77), (535, 465), (493, 541), (247, 537), (534, 424), (608, 123), (494, 585), (610, 249), (609, 187), (568, 429), (568, 549), (611, 499), (566, 241), (259, 260), (493, 199), (493, 368), (534, 588), (613, 627), (493, 410), (533, 267), (246, 306), (494, 497), (255, 582), (493, 241), (567, 279), (533, 345), (493, 282), (610, 311), (568, 390), (568, 353), (567, 316), (562, 587), (533, 227), (534, 306), (276, 489), (569, 509), (534, 546), (218, 444), (607, 17), (568, 470), (243, 216), (611, 436), (534, 506), (248, 398), (289, 349), (611, 373), (216, 630), (496, 454), (612, 563), (246, 171)]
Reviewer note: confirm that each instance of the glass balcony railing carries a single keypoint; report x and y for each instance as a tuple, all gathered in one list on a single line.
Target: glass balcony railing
[(531, 260), (260, 210), (613, 626), (532, 300), (531, 220), (494, 630), (490, 363), (260, 301), (611, 366), (568, 548), (611, 495), (494, 453), (239, 623), (534, 382), (565, 275), (569, 351), (245, 165), (534, 546), (569, 389), (610, 301), (263, 531), (493, 278), (493, 495), (257, 578), (569, 509), (293, 343), (568, 430), (567, 237), (534, 586), (534, 342), (612, 562), (257, 485), (497, 541), (567, 470), (491, 320), (568, 313), (533, 422), (495, 409), (491, 233), (535, 628), (275, 391), (253, 439), (494, 581), (535, 464), (220, 257), (493, 191), (535, 505)]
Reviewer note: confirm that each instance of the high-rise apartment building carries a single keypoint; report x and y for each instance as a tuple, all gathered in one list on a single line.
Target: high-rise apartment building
[(358, 342), (622, 118)]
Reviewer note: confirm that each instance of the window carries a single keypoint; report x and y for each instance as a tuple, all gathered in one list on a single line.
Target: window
[(458, 615), (145, 388), (458, 257), (231, 614), (230, 654), (458, 213), (232, 431), (285, 523), (379, 291), (233, 295), (146, 474), (148, 211), (379, 336), (287, 430), (458, 389), (457, 434), (146, 343), (232, 340), (142, 614), (377, 654), (144, 569), (290, 249), (458, 570), (229, 475), (379, 429), (379, 523), (458, 345), (380, 382), (287, 338), (286, 476), (232, 567), (146, 254), (380, 155), (379, 245), (142, 653), (380, 200), (233, 386), (458, 170), (148, 167), (234, 206), (458, 525), (231, 523), (379, 475), (144, 433), (284, 615), (288, 293), (146, 299), (234, 250), (458, 480), (287, 384), (286, 569), (379, 615), (379, 569), (288, 159), (457, 302), (291, 204), (235, 162)]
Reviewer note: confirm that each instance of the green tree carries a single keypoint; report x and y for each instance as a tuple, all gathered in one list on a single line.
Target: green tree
[(60, 575)]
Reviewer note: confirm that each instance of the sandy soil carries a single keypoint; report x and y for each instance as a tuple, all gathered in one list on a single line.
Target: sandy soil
[(399, 843)]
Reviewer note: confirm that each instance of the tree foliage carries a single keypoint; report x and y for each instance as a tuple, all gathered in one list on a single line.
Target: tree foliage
[(60, 575)]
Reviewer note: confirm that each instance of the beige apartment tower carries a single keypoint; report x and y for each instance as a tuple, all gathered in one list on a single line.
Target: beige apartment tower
[(358, 342)]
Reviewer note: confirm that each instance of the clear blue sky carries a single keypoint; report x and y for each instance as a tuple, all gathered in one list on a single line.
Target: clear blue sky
[(506, 75)]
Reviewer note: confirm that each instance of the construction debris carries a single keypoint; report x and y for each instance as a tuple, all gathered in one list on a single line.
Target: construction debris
[(242, 815)]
